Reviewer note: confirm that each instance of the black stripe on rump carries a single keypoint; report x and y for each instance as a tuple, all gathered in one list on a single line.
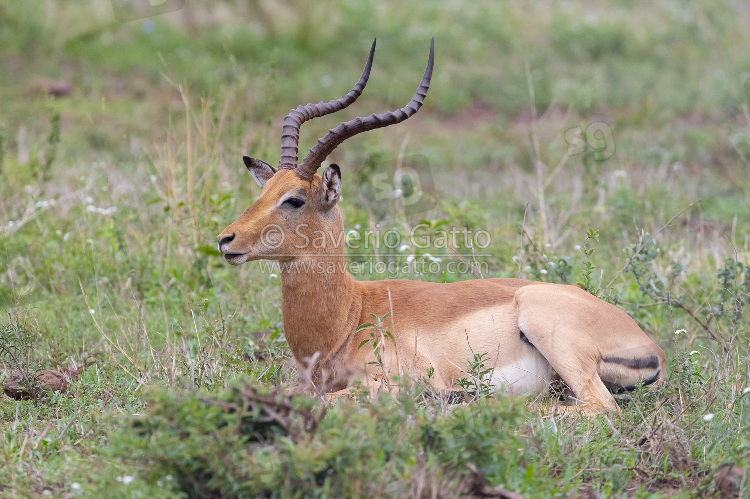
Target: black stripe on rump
[(648, 362)]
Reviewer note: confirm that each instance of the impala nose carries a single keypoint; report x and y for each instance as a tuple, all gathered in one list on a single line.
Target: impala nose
[(225, 240)]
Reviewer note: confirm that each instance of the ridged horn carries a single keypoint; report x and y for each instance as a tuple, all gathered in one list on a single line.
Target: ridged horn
[(336, 136), (293, 121)]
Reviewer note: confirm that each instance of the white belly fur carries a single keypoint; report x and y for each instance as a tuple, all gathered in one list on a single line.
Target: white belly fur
[(519, 368), (528, 375)]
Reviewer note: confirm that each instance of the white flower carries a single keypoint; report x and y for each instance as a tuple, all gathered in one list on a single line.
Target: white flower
[(397, 193), (125, 479), (679, 331), (694, 351), (708, 417), (92, 311), (543, 271), (431, 258), (409, 258), (746, 390), (66, 236), (75, 486), (272, 276), (88, 200), (403, 248), (516, 258), (577, 247), (547, 245)]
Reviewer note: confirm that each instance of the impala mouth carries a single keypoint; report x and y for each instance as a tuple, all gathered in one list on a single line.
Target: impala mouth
[(235, 258)]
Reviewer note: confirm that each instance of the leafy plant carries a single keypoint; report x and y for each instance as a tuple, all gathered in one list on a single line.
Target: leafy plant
[(378, 334), (17, 343), (734, 285), (201, 440), (734, 292), (586, 281), (3, 145), (544, 267), (53, 140), (477, 383)]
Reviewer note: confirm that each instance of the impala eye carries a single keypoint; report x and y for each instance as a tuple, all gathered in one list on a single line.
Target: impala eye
[(294, 202)]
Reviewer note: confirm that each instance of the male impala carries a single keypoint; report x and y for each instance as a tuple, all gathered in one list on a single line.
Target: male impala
[(528, 328)]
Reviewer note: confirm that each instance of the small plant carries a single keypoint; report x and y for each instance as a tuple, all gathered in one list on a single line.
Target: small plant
[(2, 147), (586, 282), (53, 140), (477, 383), (688, 369), (16, 346), (206, 441), (377, 341), (734, 280)]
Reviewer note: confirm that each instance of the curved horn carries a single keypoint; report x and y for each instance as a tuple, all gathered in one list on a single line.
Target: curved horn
[(295, 118), (336, 136)]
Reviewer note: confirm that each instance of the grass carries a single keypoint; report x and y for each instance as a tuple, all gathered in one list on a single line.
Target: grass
[(111, 199)]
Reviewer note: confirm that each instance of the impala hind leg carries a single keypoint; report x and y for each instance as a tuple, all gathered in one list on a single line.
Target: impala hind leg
[(575, 363), (592, 344), (560, 333)]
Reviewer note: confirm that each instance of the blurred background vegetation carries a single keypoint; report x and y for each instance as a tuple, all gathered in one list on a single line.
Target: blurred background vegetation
[(121, 136)]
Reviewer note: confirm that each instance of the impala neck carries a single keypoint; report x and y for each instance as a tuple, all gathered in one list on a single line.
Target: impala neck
[(319, 300)]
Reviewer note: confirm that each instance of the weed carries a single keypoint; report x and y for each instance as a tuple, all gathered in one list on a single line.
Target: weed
[(586, 282), (734, 293), (377, 341), (713, 319), (3, 145), (17, 345), (53, 141), (477, 383)]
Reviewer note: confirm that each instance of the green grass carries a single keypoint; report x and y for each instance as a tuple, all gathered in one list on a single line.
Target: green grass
[(107, 237)]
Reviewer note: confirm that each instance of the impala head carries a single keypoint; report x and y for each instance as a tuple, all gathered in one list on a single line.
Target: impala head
[(296, 205)]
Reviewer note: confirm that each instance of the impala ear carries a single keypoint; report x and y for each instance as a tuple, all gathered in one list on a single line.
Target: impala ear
[(331, 186), (260, 171)]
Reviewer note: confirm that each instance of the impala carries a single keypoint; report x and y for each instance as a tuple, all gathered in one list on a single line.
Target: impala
[(528, 328)]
